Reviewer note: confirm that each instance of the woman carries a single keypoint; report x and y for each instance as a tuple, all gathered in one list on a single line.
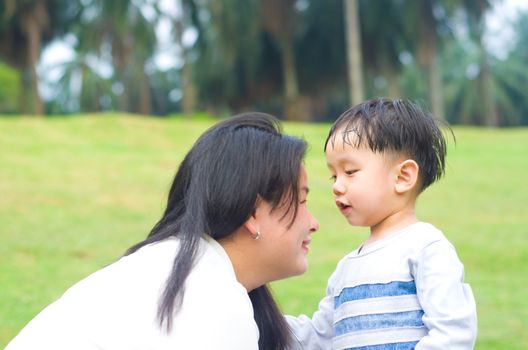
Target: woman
[(236, 219)]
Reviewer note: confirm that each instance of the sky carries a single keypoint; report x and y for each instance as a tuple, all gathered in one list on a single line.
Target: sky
[(498, 40), (500, 34)]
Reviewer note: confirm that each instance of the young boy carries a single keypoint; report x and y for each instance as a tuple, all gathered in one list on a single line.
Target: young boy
[(403, 288)]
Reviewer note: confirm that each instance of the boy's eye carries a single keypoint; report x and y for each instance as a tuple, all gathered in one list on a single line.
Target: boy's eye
[(350, 172), (333, 178)]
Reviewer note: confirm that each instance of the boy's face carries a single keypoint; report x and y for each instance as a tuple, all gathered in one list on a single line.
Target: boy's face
[(363, 181)]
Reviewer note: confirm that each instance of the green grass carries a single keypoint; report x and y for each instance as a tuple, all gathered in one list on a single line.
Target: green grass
[(76, 192)]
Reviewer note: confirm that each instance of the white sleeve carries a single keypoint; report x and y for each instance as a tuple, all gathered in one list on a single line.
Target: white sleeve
[(317, 332), (449, 307)]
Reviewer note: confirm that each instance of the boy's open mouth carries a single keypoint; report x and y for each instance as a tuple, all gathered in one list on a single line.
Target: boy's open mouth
[(342, 205)]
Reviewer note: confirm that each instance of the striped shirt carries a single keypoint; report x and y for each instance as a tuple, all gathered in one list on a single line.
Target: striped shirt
[(405, 291)]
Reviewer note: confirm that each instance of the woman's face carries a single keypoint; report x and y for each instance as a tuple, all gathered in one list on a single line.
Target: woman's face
[(283, 242)]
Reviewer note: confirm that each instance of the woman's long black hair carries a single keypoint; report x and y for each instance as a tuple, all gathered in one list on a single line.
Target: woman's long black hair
[(216, 188)]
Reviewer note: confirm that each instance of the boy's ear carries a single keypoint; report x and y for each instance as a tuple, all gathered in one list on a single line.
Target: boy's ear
[(406, 176)]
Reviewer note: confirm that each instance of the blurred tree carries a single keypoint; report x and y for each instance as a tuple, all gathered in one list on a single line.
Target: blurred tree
[(512, 76), (182, 22), (166, 98), (121, 27), (354, 52), (25, 26), (427, 54), (230, 54), (321, 50), (9, 87), (475, 10), (279, 19), (384, 40), (261, 68), (286, 57), (81, 87), (462, 95), (463, 81)]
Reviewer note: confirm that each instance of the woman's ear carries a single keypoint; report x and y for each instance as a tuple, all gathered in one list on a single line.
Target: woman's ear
[(406, 176), (251, 223)]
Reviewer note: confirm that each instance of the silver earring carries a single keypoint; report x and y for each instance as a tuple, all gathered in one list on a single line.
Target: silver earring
[(257, 236)]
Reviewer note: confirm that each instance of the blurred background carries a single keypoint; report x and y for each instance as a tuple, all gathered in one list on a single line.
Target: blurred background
[(300, 59), (88, 175)]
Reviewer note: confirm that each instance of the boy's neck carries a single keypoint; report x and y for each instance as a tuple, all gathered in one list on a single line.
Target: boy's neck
[(392, 223)]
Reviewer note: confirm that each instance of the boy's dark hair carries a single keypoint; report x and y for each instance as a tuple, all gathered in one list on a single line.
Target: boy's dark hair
[(399, 126)]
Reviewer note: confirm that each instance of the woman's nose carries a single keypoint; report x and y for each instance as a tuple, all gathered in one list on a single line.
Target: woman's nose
[(314, 226)]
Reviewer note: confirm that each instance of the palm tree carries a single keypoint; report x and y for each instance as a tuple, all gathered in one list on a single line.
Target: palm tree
[(81, 87), (354, 52), (120, 30), (427, 55), (475, 10), (26, 26), (21, 36), (278, 18), (188, 88), (230, 54), (385, 38), (465, 97)]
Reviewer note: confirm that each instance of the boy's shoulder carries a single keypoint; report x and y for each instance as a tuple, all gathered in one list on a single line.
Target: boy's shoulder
[(414, 237), (421, 234)]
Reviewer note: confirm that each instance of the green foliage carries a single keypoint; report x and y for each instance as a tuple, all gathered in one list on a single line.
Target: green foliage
[(9, 89), (251, 54), (76, 192)]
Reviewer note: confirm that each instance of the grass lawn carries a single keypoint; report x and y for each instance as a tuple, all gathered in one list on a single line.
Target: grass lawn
[(76, 192)]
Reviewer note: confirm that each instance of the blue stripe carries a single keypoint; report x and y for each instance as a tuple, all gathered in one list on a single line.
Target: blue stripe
[(394, 346), (379, 321), (366, 291)]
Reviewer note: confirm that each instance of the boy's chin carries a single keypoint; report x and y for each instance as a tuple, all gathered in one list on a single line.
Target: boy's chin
[(356, 223)]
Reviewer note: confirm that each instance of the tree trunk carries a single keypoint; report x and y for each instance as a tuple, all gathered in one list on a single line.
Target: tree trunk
[(144, 96), (24, 95), (32, 30), (295, 108), (278, 18), (489, 112), (354, 53), (428, 58), (188, 102), (188, 90), (389, 73), (121, 58), (289, 71), (436, 91)]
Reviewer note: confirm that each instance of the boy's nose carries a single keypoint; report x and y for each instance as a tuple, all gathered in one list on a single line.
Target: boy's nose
[(337, 187)]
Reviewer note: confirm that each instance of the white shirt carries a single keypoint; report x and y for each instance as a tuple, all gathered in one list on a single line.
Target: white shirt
[(405, 291), (115, 308)]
